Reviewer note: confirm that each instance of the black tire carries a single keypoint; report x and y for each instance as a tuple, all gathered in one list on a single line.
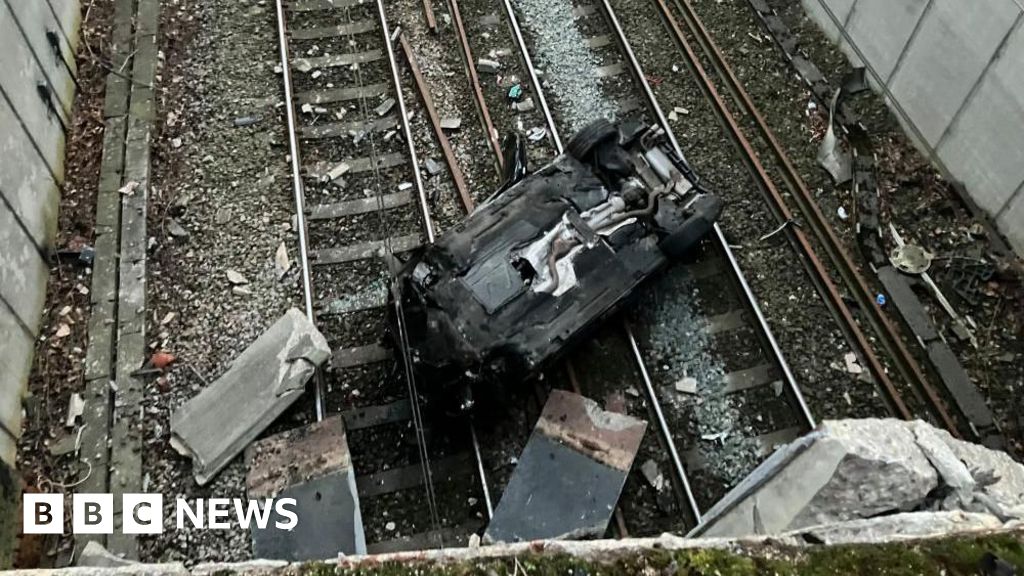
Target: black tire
[(583, 143)]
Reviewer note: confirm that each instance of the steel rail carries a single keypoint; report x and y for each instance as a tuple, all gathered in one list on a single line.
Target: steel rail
[(521, 42), (751, 300), (298, 190), (428, 223), (663, 428), (889, 339)]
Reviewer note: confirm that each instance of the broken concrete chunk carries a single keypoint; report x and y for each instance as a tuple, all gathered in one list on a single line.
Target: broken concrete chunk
[(261, 383), (525, 105), (451, 123), (313, 465), (236, 278), (687, 385), (851, 470), (385, 107), (487, 66), (336, 172), (575, 444), (432, 166), (175, 229)]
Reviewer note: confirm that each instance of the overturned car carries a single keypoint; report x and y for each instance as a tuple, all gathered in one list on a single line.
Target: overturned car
[(539, 264)]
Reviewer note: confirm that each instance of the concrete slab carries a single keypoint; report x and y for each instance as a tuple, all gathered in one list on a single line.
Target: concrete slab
[(312, 465), (269, 375), (979, 148), (15, 363), (570, 474), (25, 179), (881, 28), (946, 58)]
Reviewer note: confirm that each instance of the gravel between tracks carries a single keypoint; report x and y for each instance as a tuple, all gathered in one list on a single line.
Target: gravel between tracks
[(228, 187)]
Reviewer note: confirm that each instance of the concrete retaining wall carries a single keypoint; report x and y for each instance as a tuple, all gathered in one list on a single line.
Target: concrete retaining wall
[(952, 71), (36, 91)]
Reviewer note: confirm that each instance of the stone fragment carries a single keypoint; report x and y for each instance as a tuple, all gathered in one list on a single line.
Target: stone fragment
[(175, 229), (574, 444), (687, 385), (525, 105), (281, 262), (906, 526), (236, 278), (263, 381), (432, 166), (451, 123), (487, 66), (385, 107)]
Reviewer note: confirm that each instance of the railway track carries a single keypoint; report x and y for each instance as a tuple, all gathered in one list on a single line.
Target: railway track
[(357, 182), (360, 201), (636, 364), (686, 28)]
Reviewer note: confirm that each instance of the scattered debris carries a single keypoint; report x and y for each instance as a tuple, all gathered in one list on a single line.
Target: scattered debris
[(63, 331), (129, 188), (832, 155), (175, 143), (236, 278), (161, 359), (175, 229), (385, 107), (66, 444), (433, 167), (247, 121), (451, 123), (850, 360), (336, 172), (213, 427), (575, 443), (525, 105), (687, 385), (537, 133), (515, 92), (841, 212), (281, 262), (241, 291), (76, 405), (653, 475), (911, 259), (487, 66)]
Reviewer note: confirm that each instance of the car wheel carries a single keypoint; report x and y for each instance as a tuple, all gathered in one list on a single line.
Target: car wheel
[(583, 143)]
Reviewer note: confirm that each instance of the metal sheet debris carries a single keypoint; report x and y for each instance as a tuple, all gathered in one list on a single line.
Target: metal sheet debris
[(832, 156), (313, 465), (261, 383), (570, 474)]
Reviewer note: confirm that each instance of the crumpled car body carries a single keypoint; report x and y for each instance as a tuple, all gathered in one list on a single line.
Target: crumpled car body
[(541, 263)]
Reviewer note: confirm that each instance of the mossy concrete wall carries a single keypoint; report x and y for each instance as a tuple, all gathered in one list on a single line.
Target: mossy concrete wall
[(37, 68), (36, 92), (951, 70)]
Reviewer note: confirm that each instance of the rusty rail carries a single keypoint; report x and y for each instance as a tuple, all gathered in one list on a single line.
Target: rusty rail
[(888, 338), (474, 79)]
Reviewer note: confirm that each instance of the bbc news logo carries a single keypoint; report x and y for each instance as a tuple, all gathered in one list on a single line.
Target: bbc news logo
[(144, 513)]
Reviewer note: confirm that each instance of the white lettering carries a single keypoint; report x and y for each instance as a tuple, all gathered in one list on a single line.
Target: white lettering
[(246, 515), (217, 513), (282, 510), (195, 516)]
